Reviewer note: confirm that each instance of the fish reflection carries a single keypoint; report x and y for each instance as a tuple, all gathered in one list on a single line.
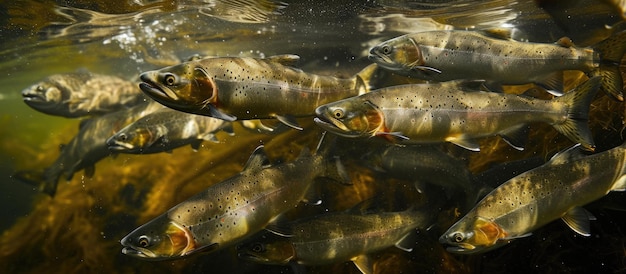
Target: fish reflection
[(166, 130), (555, 190), (234, 209), (82, 93), (249, 88), (428, 113), (449, 55)]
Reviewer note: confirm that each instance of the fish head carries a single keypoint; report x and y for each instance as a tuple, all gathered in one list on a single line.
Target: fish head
[(131, 140), (270, 252), (352, 117), (474, 235), (43, 96), (400, 54), (159, 239), (186, 87)]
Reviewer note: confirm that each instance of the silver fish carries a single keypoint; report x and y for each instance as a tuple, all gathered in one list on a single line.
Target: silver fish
[(532, 199), (233, 209), (231, 88), (165, 130), (428, 113), (86, 148), (82, 93), (450, 55)]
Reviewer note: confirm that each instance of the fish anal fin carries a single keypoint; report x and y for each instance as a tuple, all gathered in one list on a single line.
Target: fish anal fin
[(577, 219), (553, 83), (364, 264), (515, 136), (464, 143), (257, 160), (620, 184), (567, 155), (290, 121), (407, 242)]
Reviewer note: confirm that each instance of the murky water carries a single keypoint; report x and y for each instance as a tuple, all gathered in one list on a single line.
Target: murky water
[(79, 230)]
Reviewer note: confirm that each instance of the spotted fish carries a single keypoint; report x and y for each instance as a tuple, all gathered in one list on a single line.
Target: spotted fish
[(430, 113), (449, 55), (232, 88), (229, 211), (81, 94), (165, 130), (534, 198)]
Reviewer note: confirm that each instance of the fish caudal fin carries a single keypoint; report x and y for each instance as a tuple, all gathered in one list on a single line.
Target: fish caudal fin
[(333, 169), (364, 77), (39, 179), (611, 51), (575, 126)]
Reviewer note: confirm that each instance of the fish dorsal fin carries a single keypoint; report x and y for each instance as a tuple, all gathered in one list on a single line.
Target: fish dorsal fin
[(407, 242), (570, 154), (498, 33), (565, 42), (464, 143), (258, 159), (288, 120), (364, 264), (515, 136), (285, 59), (553, 83), (577, 219)]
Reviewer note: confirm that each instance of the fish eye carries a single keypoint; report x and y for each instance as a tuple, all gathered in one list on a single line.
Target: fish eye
[(144, 241), (458, 237), (169, 79), (40, 88), (122, 137), (386, 49), (338, 113), (258, 247)]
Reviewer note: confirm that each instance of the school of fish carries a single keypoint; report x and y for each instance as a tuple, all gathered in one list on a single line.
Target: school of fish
[(459, 100)]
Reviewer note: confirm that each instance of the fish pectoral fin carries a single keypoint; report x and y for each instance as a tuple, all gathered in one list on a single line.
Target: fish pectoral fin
[(209, 137), (464, 143), (620, 184), (515, 136), (392, 136), (364, 264), (258, 159), (577, 219), (89, 171), (553, 83), (498, 33), (407, 242), (228, 128), (510, 238), (206, 248), (285, 59), (567, 155), (312, 196), (215, 113), (290, 121), (493, 86)]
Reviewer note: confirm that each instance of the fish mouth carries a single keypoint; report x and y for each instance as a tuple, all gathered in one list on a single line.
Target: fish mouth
[(30, 97), (115, 145), (153, 89), (336, 127)]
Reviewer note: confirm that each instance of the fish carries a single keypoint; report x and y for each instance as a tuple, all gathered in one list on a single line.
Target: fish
[(85, 149), (228, 212), (233, 88), (557, 189), (339, 237), (82, 93), (165, 130), (491, 56), (429, 164), (440, 112)]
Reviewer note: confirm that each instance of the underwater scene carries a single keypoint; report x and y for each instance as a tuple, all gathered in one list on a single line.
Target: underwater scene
[(379, 136)]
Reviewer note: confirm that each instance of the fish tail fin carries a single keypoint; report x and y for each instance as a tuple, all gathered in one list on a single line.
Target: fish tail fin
[(575, 126), (38, 179), (364, 77), (333, 168), (611, 52)]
